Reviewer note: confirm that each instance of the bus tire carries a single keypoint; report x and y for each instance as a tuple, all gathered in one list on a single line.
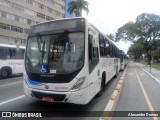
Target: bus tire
[(102, 85), (116, 75), (5, 72)]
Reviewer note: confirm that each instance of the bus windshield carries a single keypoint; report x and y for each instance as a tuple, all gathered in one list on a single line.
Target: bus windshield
[(59, 53)]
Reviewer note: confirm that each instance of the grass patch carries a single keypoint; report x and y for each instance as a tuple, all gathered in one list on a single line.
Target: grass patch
[(143, 62), (156, 66)]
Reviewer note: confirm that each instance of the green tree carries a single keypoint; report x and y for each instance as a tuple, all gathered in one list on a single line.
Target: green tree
[(77, 6), (146, 28), (136, 50), (111, 36), (157, 54)]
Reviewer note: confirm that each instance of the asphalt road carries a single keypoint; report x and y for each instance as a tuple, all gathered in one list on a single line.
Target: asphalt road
[(131, 98), (140, 93)]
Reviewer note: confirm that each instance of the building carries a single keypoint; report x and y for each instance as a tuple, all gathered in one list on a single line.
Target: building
[(16, 17), (67, 14)]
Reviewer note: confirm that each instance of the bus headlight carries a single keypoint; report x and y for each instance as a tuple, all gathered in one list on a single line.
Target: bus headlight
[(78, 84)]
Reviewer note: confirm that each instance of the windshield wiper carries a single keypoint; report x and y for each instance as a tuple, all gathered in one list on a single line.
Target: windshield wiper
[(41, 47)]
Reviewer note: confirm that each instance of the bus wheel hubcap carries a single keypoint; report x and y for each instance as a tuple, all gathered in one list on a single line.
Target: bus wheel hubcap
[(4, 73)]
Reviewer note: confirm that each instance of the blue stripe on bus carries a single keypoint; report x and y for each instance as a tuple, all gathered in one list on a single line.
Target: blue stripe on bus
[(34, 82)]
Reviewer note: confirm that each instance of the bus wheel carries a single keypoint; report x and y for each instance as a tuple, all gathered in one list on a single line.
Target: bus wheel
[(116, 75), (4, 73), (102, 86)]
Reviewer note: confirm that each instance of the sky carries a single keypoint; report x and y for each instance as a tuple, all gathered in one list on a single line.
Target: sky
[(109, 15)]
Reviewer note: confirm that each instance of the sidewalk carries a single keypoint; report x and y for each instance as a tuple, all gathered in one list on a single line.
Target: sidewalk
[(154, 73)]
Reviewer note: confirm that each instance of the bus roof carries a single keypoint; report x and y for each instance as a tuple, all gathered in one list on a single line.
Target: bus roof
[(79, 18), (59, 20)]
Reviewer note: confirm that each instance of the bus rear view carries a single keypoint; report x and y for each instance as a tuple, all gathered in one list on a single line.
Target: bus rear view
[(54, 59)]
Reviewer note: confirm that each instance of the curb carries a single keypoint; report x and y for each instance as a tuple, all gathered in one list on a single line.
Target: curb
[(107, 113)]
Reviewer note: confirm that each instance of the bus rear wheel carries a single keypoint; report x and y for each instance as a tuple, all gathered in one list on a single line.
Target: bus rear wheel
[(116, 75), (4, 73)]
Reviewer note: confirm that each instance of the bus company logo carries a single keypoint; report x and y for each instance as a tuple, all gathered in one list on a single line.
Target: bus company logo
[(15, 63), (61, 88), (46, 87), (6, 114)]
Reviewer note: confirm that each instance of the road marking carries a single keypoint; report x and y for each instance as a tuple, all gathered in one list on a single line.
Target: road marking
[(146, 96), (150, 75), (11, 100), (10, 84)]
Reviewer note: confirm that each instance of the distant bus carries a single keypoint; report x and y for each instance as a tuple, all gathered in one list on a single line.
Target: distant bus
[(11, 60), (122, 60), (126, 59), (68, 60)]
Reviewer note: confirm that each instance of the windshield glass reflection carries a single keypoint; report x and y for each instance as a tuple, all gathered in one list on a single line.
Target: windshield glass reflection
[(58, 53)]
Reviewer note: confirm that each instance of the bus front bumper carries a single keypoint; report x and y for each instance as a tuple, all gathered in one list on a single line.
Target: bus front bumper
[(76, 97)]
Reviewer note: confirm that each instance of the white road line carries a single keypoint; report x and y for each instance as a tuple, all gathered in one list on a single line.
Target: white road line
[(10, 84), (150, 75), (11, 100)]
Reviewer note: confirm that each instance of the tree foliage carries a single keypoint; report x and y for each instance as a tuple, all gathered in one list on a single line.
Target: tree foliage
[(126, 32), (145, 28), (111, 36), (157, 54), (77, 6), (136, 49)]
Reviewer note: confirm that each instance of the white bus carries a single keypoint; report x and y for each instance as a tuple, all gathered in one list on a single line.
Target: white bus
[(68, 60), (126, 59), (11, 60)]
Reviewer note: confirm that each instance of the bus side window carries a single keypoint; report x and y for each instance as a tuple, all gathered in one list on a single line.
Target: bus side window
[(90, 47), (101, 45), (12, 52), (4, 53), (16, 53), (93, 53), (107, 50), (111, 50), (19, 54)]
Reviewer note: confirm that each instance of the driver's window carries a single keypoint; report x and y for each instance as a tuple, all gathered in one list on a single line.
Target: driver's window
[(93, 52)]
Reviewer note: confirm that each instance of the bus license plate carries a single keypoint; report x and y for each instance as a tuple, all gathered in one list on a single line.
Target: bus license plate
[(47, 99)]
